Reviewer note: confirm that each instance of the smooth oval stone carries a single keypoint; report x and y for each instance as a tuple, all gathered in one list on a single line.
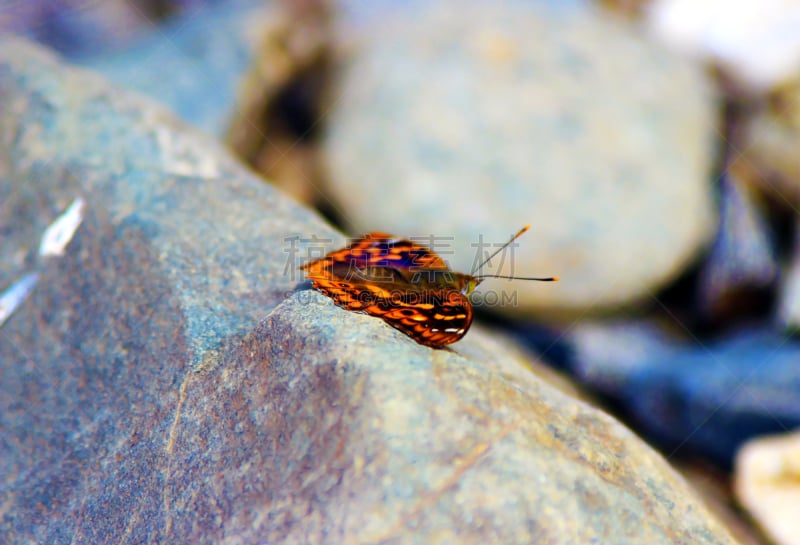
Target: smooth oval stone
[(165, 380), (467, 121)]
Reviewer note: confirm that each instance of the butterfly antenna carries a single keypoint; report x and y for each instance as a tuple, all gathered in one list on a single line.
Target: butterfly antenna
[(501, 248), (547, 279)]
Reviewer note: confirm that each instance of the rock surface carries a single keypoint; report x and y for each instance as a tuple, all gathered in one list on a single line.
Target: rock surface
[(475, 119), (715, 487), (160, 385), (280, 106), (768, 485)]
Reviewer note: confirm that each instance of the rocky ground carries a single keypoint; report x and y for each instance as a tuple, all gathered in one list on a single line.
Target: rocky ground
[(167, 374)]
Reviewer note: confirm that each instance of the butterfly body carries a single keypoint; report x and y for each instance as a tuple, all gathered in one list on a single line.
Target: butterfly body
[(407, 285)]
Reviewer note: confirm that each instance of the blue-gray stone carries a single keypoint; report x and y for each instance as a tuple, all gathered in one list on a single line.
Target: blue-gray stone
[(712, 397), (193, 65), (72, 28), (692, 396), (82, 29), (604, 354)]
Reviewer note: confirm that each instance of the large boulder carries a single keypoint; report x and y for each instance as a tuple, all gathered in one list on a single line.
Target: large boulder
[(168, 380)]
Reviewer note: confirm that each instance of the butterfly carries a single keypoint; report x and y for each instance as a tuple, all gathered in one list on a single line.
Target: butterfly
[(405, 283)]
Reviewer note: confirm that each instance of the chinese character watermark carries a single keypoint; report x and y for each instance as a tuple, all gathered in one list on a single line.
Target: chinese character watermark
[(314, 247), (483, 255)]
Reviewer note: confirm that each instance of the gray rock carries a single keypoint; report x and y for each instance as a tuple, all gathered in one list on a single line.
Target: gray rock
[(80, 30), (194, 65), (160, 386), (468, 119), (76, 29), (691, 395), (605, 354)]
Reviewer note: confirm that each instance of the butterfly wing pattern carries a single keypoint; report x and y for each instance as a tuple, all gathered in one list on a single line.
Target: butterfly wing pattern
[(407, 285)]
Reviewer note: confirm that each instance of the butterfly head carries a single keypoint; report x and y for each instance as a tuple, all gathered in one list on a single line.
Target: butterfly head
[(469, 283)]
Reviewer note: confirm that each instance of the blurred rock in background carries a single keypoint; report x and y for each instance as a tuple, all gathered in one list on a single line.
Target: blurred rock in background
[(469, 120), (82, 28), (281, 101), (757, 43), (768, 485), (789, 293), (249, 70), (193, 64), (742, 264)]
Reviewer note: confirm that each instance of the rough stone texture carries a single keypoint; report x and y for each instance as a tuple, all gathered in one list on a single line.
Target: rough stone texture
[(715, 487), (160, 386), (768, 485), (462, 119), (74, 29)]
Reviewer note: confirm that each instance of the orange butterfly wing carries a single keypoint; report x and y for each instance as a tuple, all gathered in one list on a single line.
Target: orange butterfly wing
[(379, 250), (368, 276)]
